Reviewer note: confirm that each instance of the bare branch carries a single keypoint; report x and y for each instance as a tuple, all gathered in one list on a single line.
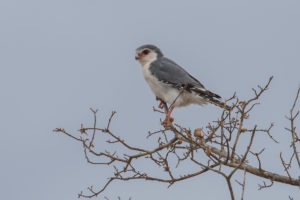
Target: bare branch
[(295, 137), (215, 148), (265, 185)]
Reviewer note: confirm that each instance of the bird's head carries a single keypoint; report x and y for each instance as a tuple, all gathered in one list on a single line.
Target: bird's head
[(147, 54)]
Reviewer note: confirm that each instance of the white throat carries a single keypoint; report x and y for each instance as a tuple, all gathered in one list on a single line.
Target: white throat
[(148, 59)]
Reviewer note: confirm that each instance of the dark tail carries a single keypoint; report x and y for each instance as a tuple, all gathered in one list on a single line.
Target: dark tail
[(219, 103), (211, 97)]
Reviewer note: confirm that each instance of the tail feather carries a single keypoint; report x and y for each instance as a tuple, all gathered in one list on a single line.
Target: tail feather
[(211, 97), (220, 104)]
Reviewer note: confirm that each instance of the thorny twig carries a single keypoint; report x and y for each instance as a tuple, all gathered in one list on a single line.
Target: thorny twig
[(214, 149), (265, 185), (295, 138)]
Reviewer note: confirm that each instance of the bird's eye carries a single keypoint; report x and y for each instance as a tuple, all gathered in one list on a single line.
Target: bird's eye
[(145, 52)]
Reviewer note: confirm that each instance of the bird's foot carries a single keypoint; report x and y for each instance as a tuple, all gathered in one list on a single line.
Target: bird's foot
[(167, 120), (161, 105)]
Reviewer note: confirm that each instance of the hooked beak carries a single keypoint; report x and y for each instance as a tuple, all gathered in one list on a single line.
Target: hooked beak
[(137, 56)]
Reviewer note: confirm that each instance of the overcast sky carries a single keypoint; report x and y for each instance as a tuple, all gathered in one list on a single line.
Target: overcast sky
[(58, 58)]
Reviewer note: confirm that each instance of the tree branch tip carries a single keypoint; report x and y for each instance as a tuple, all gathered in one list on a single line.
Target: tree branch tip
[(220, 149), (59, 130), (94, 111)]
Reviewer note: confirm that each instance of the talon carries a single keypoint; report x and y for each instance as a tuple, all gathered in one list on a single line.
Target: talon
[(161, 105), (167, 120), (168, 117)]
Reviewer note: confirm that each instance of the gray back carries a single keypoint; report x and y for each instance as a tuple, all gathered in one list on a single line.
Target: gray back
[(169, 72)]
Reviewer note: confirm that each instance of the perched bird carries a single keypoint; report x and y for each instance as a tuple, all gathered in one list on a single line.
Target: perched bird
[(171, 83)]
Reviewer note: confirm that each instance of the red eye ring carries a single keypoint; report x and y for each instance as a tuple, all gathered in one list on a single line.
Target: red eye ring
[(146, 51)]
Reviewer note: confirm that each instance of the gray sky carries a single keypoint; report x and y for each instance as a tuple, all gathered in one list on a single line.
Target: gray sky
[(58, 58)]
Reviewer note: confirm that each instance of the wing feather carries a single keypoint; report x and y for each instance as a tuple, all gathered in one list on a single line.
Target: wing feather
[(169, 72)]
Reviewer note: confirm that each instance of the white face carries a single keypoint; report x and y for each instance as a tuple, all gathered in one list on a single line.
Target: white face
[(146, 56)]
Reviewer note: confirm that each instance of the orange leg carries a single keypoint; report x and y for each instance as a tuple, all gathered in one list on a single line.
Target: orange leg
[(161, 104), (168, 117)]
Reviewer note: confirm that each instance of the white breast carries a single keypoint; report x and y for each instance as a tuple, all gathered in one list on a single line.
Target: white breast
[(155, 85), (160, 89)]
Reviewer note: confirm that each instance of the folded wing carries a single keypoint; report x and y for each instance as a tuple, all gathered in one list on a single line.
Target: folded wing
[(169, 72)]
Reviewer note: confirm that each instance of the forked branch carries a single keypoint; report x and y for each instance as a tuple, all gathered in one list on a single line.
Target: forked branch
[(214, 148)]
